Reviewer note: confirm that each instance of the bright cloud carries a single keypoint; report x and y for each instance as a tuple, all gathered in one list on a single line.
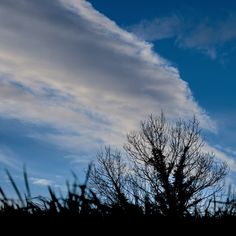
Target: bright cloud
[(65, 65), (41, 182)]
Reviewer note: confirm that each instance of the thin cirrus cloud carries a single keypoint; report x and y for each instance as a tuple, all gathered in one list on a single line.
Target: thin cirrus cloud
[(8, 158), (206, 36), (158, 28)]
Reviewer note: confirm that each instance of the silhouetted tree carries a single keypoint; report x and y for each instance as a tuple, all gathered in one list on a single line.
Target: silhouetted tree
[(166, 170), (109, 177)]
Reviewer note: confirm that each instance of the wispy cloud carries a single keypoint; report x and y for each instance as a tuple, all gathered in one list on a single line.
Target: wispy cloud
[(223, 155), (65, 65), (226, 155), (8, 158), (205, 35), (158, 28)]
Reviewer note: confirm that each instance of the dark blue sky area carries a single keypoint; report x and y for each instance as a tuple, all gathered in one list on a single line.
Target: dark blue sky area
[(213, 82), (125, 12)]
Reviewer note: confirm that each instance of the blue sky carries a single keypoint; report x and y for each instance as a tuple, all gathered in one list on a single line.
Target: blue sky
[(76, 75)]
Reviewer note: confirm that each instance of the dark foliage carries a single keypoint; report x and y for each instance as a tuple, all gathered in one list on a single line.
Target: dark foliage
[(82, 210)]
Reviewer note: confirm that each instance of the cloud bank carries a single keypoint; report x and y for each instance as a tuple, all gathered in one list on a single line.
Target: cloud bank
[(66, 66)]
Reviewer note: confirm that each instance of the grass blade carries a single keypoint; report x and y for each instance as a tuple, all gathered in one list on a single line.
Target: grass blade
[(15, 187), (26, 183), (3, 194)]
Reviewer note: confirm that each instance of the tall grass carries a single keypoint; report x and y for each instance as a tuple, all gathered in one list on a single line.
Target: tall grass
[(78, 200), (81, 202)]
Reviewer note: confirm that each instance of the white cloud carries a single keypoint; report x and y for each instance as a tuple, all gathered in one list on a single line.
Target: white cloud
[(205, 35), (42, 182), (65, 65)]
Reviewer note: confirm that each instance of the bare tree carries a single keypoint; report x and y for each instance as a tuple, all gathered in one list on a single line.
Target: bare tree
[(108, 177), (168, 171), (169, 158)]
